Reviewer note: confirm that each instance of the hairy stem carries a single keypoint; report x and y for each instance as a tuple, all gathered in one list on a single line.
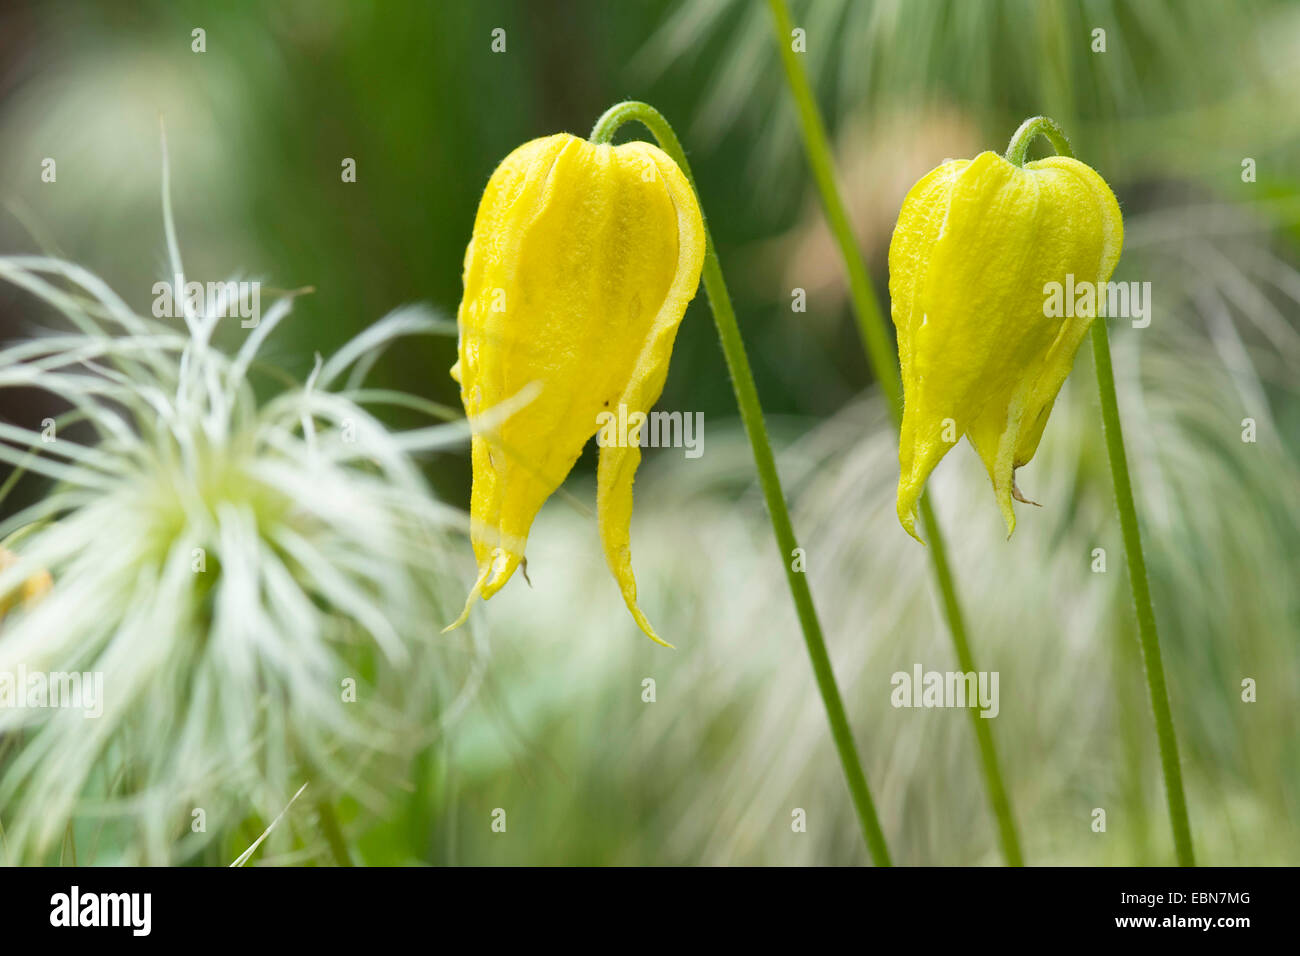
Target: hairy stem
[(881, 356), (751, 413), (1036, 126)]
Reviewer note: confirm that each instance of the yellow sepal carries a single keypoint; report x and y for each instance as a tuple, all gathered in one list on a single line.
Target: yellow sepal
[(582, 262), (976, 245)]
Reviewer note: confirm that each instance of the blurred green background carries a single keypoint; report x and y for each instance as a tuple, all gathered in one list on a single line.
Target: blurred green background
[(558, 735)]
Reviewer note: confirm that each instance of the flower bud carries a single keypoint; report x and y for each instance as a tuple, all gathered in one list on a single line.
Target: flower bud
[(976, 245), (582, 262)]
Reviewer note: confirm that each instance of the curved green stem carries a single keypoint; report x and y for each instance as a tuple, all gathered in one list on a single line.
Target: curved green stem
[(1128, 522), (751, 413), (1036, 126), (881, 355)]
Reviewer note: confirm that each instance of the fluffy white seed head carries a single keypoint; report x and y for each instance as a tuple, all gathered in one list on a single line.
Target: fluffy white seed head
[(261, 587)]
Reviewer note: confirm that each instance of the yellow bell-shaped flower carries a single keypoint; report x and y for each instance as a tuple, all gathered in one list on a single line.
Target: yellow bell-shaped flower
[(583, 260), (976, 246)]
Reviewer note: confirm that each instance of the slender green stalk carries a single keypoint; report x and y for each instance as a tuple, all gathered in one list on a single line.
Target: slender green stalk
[(880, 354), (751, 413), (1137, 567), (1146, 615), (329, 824)]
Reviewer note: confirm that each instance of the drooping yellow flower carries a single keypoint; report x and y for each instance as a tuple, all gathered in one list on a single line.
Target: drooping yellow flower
[(976, 246), (583, 260)]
